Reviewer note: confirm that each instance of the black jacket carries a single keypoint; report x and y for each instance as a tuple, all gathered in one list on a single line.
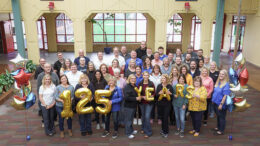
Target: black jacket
[(90, 87), (130, 96), (151, 57), (164, 100), (140, 52)]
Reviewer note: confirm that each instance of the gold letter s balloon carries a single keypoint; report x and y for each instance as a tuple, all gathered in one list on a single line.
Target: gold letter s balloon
[(190, 89), (104, 101), (86, 96), (179, 90), (165, 94), (148, 94), (138, 91), (66, 112)]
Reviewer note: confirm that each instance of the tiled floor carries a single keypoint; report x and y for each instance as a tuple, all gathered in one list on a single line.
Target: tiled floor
[(246, 126)]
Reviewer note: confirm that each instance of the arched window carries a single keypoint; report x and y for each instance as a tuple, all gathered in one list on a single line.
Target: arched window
[(195, 32), (42, 34), (174, 29), (119, 28), (64, 29)]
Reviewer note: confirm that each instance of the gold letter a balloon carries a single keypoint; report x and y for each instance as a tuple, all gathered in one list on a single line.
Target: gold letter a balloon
[(165, 94), (104, 101), (85, 94), (66, 112)]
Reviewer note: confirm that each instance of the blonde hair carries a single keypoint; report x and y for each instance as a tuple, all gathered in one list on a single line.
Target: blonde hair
[(205, 69), (129, 77), (82, 77), (43, 80), (166, 77), (171, 74), (112, 78), (213, 62), (132, 60), (226, 79)]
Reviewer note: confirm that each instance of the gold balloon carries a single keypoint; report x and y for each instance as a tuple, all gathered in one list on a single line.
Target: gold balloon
[(190, 89), (241, 60), (165, 94), (148, 94), (138, 91), (67, 111), (85, 94), (18, 104), (179, 90), (241, 106), (103, 101)]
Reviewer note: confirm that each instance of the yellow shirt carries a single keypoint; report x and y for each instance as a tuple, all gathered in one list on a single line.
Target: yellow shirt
[(199, 104), (189, 79)]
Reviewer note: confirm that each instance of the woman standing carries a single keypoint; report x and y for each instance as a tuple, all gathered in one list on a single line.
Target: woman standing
[(131, 101), (99, 83), (131, 68), (47, 99), (59, 103), (220, 93), (104, 70), (65, 66), (115, 101), (197, 105), (90, 70), (115, 64), (164, 105), (146, 106), (174, 76), (180, 105), (207, 82), (147, 66), (200, 64), (84, 119), (184, 70), (155, 77)]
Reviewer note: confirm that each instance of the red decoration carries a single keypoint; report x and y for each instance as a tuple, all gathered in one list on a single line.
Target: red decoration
[(51, 6), (243, 77), (187, 6), (237, 100), (19, 98), (22, 78)]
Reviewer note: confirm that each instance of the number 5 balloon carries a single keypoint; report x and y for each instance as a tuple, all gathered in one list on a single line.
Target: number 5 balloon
[(104, 101)]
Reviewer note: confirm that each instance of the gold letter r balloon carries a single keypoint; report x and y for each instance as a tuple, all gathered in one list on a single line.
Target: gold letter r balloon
[(179, 90), (67, 111), (86, 95), (104, 101)]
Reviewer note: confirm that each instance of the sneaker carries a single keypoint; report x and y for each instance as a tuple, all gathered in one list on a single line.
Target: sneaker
[(103, 125), (114, 135), (164, 135), (51, 134), (42, 125), (139, 122), (134, 132), (205, 123), (131, 136), (98, 126), (105, 134), (161, 132), (151, 121), (159, 122), (135, 121), (177, 132), (181, 134), (83, 133)]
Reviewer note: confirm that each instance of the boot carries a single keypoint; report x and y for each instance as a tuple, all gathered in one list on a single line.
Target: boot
[(62, 134), (70, 133)]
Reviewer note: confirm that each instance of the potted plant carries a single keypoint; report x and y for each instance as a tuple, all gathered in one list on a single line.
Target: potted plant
[(107, 49)]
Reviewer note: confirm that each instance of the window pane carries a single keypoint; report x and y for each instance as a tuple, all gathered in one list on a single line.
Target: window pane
[(130, 27), (177, 26), (177, 38), (96, 27), (40, 43), (120, 38), (61, 38), (23, 27), (98, 38), (140, 16), (130, 15), (39, 28), (70, 38), (120, 27), (99, 16), (14, 38), (61, 16), (60, 27), (110, 38), (15, 46), (141, 38), (109, 26), (69, 27), (130, 38), (169, 28), (119, 16), (45, 38), (25, 41), (44, 26), (169, 38), (109, 16), (46, 46), (141, 26)]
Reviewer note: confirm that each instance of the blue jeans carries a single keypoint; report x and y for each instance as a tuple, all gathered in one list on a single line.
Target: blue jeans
[(180, 117), (115, 120), (129, 116), (146, 110), (85, 122), (48, 118), (121, 118), (221, 117), (61, 120)]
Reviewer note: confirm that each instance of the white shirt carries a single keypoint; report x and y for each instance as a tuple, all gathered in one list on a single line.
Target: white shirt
[(74, 77), (120, 59), (155, 79), (47, 94), (97, 63)]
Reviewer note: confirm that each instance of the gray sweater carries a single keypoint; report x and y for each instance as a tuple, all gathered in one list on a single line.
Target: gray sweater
[(59, 90), (54, 78)]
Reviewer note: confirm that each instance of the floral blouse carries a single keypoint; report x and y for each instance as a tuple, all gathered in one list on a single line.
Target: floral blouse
[(199, 104)]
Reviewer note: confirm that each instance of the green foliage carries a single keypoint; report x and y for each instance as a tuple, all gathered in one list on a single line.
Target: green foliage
[(30, 66), (6, 81)]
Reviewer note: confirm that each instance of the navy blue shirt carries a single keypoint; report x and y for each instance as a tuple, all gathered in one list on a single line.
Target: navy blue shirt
[(76, 61)]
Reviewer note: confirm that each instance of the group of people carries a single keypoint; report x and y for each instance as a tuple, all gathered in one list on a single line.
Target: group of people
[(121, 75)]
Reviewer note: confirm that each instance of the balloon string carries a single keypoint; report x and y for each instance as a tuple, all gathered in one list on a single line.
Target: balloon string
[(232, 123), (26, 123)]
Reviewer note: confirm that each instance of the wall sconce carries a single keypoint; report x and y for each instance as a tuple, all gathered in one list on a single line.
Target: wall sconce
[(51, 6), (187, 6)]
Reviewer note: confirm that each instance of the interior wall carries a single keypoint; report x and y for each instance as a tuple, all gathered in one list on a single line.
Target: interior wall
[(51, 31), (186, 30), (227, 35)]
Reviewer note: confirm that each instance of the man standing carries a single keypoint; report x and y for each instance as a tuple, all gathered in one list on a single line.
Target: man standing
[(161, 53), (74, 75), (141, 51), (138, 61), (200, 55), (120, 59), (149, 53), (58, 63), (188, 59), (156, 59), (166, 67), (40, 68), (124, 53), (178, 62), (193, 54), (170, 57), (193, 69), (100, 60), (81, 54)]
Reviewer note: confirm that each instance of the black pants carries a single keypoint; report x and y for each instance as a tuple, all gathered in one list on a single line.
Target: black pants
[(172, 115), (164, 111), (221, 117), (206, 113), (196, 119), (153, 113), (138, 111)]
